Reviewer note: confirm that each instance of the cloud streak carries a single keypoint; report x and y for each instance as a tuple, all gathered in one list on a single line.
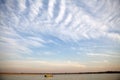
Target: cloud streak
[(82, 24), (102, 55), (51, 7)]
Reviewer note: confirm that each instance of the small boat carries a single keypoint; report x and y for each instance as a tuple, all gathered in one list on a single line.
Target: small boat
[(48, 75)]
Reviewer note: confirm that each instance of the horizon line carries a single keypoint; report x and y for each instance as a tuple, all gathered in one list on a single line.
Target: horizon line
[(89, 72)]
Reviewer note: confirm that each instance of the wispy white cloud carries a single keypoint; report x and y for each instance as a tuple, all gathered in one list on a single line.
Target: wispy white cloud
[(26, 44), (51, 7), (36, 39), (102, 55), (114, 36), (35, 8), (78, 24), (13, 45), (100, 62), (61, 12), (48, 53), (22, 5), (68, 19)]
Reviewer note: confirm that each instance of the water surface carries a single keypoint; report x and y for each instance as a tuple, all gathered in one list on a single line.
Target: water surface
[(63, 77)]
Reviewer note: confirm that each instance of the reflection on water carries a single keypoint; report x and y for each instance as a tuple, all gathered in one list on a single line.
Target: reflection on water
[(63, 77)]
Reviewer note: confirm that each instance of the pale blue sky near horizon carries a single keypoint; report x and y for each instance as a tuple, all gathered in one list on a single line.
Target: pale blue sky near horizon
[(59, 35)]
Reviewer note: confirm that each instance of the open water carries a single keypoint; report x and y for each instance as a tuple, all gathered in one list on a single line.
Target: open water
[(63, 77)]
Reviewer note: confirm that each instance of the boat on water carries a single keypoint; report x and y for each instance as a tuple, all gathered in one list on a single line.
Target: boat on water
[(48, 75)]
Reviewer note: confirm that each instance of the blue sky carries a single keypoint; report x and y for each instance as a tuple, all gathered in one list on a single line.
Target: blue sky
[(59, 35)]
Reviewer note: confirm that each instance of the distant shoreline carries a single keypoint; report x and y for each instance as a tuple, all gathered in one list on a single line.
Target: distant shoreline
[(103, 72)]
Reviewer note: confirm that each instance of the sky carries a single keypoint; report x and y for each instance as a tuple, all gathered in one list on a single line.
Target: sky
[(59, 35)]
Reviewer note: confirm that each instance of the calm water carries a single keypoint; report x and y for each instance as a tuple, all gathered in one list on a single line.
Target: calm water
[(63, 77)]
